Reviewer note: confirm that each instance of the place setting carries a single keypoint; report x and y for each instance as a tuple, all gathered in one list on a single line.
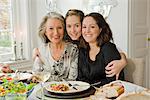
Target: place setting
[(17, 76), (66, 90)]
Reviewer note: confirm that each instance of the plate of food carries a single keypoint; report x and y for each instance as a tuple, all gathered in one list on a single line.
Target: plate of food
[(5, 68), (64, 87), (21, 76), (14, 76), (5, 76)]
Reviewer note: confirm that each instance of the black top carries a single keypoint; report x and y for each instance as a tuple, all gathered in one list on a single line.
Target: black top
[(94, 71)]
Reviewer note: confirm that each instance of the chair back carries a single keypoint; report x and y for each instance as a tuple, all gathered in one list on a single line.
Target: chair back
[(134, 71)]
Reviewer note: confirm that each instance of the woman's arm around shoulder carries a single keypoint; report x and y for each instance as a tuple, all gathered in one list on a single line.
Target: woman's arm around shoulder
[(115, 66)]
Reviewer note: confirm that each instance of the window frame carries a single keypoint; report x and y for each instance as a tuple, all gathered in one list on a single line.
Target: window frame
[(21, 23)]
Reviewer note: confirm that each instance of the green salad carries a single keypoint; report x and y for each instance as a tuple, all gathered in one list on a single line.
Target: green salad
[(12, 87)]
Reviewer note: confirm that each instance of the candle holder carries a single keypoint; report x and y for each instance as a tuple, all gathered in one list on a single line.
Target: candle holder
[(21, 52), (15, 52)]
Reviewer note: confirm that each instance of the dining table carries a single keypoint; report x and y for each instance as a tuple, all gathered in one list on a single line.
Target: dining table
[(38, 94)]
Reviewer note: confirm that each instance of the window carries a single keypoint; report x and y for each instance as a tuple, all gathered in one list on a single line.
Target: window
[(6, 29), (15, 26)]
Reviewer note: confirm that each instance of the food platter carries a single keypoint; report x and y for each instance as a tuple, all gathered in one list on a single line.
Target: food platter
[(11, 76), (15, 88), (81, 86), (6, 76)]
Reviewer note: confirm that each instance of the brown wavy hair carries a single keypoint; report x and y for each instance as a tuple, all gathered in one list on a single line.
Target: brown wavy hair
[(106, 33)]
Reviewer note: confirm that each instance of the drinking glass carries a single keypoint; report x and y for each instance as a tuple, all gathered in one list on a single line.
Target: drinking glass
[(43, 76)]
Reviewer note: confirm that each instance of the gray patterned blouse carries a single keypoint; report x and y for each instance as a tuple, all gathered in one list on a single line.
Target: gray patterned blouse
[(64, 68)]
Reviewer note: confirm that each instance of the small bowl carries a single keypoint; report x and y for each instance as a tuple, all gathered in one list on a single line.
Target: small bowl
[(30, 91)]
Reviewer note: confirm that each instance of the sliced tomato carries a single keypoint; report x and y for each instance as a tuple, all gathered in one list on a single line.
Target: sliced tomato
[(9, 78)]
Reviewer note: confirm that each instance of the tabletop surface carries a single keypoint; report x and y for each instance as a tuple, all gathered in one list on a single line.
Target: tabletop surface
[(129, 87)]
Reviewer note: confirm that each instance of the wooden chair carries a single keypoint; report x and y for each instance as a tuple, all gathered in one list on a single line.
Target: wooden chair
[(134, 71)]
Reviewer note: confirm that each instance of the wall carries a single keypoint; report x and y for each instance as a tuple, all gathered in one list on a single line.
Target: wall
[(118, 19)]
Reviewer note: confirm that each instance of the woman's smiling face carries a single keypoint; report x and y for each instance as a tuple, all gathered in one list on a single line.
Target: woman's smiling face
[(90, 30), (73, 27), (54, 30)]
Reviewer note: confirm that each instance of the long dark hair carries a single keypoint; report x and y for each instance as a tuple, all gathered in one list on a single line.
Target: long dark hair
[(77, 13), (106, 33)]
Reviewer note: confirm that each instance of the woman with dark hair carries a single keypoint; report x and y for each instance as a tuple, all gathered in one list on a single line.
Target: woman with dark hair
[(73, 19), (96, 50)]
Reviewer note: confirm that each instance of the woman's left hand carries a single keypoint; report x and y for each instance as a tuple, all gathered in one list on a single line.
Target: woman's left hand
[(113, 68)]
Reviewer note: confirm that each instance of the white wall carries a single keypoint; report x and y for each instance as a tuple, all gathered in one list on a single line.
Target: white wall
[(118, 19)]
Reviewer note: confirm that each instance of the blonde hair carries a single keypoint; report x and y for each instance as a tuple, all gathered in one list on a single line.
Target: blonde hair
[(42, 27)]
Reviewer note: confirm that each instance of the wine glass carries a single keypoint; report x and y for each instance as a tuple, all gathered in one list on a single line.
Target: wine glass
[(43, 77)]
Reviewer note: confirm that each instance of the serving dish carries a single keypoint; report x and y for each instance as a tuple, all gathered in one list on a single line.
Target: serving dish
[(11, 88)]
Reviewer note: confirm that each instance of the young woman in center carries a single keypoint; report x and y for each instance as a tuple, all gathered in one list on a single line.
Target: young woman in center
[(74, 18), (96, 50)]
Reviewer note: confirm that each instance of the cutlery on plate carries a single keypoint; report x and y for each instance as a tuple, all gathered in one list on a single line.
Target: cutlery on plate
[(70, 84), (97, 83)]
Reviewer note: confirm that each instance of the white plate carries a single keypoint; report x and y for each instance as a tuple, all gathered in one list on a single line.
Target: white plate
[(130, 87), (22, 76), (81, 86), (6, 75)]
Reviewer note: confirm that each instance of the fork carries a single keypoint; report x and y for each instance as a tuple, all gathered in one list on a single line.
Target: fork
[(70, 84)]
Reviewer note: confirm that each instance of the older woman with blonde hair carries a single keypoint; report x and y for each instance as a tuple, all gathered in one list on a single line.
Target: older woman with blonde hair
[(56, 56)]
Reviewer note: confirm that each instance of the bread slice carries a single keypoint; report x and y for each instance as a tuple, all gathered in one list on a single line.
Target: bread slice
[(112, 90)]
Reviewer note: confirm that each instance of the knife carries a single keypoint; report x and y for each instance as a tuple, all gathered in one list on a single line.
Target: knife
[(70, 84), (97, 83)]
